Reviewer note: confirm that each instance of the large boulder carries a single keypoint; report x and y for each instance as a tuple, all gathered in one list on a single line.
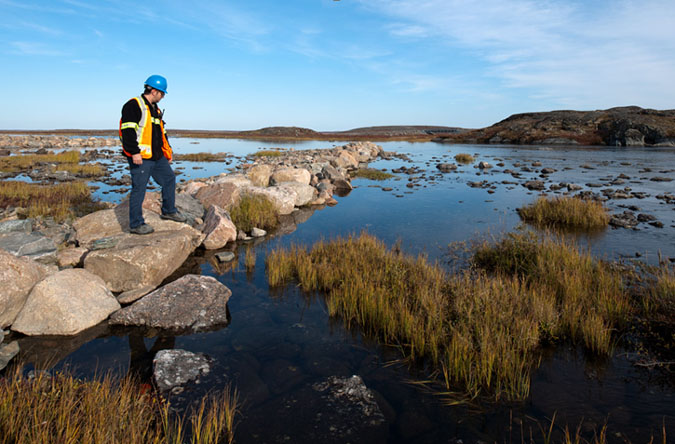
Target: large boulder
[(115, 222), (299, 175), (18, 275), (304, 193), (135, 262), (345, 160), (192, 302), (260, 175), (65, 303), (283, 198), (218, 228), (223, 195)]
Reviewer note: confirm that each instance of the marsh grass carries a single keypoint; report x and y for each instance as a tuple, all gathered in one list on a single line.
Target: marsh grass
[(566, 212), (62, 409), (254, 210), (60, 201), (464, 158), (202, 157), (249, 259), (267, 153), (94, 170), (13, 164), (372, 174), (479, 328)]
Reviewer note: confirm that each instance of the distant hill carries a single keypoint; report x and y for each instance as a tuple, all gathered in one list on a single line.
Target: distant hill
[(624, 126)]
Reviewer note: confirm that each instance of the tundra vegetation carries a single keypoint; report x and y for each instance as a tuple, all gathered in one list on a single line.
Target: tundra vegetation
[(372, 174), (479, 328), (566, 212), (268, 153), (464, 158), (60, 201), (61, 408), (64, 161), (202, 157), (254, 211)]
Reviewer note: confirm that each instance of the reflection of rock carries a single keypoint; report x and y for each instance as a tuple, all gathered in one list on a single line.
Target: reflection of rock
[(191, 302), (337, 410), (65, 303), (174, 368), (46, 351)]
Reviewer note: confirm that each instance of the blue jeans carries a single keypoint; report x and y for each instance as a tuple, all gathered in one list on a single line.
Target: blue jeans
[(161, 172)]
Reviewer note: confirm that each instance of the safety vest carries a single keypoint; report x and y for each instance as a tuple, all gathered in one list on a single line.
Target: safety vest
[(144, 131)]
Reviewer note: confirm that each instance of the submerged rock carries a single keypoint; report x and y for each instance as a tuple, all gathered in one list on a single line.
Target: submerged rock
[(175, 368)]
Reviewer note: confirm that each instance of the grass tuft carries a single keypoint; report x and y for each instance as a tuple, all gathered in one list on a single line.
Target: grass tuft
[(480, 328), (464, 158), (254, 210), (566, 212), (267, 153), (372, 174), (60, 201), (202, 157), (60, 408)]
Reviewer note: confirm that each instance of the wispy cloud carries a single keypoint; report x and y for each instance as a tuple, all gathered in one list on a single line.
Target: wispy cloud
[(34, 49), (580, 53)]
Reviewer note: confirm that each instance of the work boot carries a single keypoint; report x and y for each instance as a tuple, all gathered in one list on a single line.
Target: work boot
[(142, 229), (176, 217)]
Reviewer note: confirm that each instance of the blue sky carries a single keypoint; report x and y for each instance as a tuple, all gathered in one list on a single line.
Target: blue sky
[(331, 65)]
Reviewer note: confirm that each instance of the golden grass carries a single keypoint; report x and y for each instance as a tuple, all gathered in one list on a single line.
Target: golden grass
[(480, 328), (267, 153), (249, 258), (372, 174), (202, 157), (22, 162), (62, 409), (59, 201), (83, 170), (254, 211), (566, 212), (464, 158)]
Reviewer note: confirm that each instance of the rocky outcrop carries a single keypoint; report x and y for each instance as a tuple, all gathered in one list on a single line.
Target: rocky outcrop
[(65, 303), (174, 368), (218, 228), (623, 126), (17, 277), (190, 303)]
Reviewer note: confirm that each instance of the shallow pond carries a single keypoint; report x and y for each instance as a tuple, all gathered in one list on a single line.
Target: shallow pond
[(281, 341)]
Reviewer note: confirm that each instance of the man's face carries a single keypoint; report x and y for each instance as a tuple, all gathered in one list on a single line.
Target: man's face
[(156, 95)]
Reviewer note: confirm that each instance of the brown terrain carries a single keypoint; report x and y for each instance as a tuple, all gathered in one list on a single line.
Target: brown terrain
[(623, 126)]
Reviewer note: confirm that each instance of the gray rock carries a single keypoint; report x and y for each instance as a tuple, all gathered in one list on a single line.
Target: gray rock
[(225, 256), (534, 185), (33, 245), (257, 232), (190, 303), (190, 207), (7, 352), (331, 173), (484, 165), (175, 368), (65, 303), (446, 167), (13, 226), (624, 220)]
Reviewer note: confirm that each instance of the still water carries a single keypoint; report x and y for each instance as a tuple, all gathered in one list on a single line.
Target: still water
[(281, 341)]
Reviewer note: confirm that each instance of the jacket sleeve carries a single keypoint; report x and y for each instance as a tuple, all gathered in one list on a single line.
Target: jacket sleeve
[(131, 113)]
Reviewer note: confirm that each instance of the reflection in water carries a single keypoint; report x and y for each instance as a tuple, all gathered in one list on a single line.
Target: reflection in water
[(140, 359)]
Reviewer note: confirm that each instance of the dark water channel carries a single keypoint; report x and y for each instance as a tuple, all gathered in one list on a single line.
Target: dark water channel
[(280, 341)]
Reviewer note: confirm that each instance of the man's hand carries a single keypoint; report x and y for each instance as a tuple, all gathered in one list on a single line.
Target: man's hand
[(137, 159)]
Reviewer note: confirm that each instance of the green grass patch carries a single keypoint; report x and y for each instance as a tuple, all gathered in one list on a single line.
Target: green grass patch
[(13, 164), (481, 329), (464, 158), (254, 211), (62, 409), (566, 212), (267, 153), (60, 201), (372, 174), (202, 157)]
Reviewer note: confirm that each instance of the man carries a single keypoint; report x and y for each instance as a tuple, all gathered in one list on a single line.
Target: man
[(149, 154)]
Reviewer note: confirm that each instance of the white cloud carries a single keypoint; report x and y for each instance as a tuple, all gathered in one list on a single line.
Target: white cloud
[(34, 49), (578, 53)]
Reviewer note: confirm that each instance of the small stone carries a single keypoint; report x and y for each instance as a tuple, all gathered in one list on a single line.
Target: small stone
[(257, 232), (225, 256)]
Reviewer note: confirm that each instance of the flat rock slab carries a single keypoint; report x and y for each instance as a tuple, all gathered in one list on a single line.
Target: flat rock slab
[(192, 302), (175, 368), (31, 245)]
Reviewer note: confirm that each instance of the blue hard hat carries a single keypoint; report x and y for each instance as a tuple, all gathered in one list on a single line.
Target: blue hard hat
[(158, 82)]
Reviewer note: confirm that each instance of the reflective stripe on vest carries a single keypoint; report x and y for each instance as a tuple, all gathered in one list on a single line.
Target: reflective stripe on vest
[(144, 131)]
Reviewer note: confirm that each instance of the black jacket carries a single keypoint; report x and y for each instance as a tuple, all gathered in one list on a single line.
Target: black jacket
[(132, 113)]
